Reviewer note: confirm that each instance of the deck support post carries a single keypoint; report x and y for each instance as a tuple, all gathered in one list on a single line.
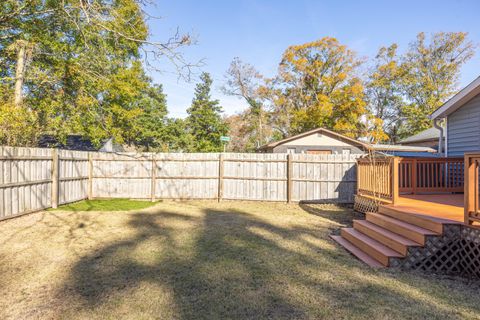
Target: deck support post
[(470, 183)]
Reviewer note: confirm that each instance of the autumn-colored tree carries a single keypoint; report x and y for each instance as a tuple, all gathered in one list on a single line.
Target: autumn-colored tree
[(383, 91), (432, 70), (318, 86)]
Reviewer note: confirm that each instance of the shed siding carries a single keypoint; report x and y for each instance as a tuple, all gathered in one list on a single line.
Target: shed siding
[(463, 129), (303, 149)]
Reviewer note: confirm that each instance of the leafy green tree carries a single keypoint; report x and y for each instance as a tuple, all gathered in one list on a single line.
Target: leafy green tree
[(432, 70), (150, 124), (75, 66), (204, 121), (176, 136)]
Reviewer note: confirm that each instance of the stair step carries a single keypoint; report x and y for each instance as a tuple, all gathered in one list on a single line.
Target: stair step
[(392, 240), (372, 247), (402, 228), (357, 252), (411, 216)]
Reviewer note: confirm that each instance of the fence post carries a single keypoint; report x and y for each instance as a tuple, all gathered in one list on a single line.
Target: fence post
[(220, 177), (154, 177), (289, 178), (55, 181), (90, 176), (395, 185)]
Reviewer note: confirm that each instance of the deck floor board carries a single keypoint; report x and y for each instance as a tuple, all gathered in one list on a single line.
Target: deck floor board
[(443, 206)]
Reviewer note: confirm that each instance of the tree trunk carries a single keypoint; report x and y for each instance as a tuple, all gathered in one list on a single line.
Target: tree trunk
[(20, 72)]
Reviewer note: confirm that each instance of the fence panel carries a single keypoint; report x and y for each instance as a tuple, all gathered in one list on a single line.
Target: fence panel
[(255, 177), (26, 180), (73, 173), (121, 175), (326, 178), (186, 175)]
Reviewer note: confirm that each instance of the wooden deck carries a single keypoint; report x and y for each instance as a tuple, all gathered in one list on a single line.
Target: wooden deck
[(448, 207)]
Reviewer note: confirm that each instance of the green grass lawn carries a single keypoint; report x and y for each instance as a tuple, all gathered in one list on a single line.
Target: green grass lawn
[(208, 260), (106, 205)]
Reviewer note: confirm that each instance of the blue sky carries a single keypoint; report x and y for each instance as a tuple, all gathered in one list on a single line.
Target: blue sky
[(259, 31)]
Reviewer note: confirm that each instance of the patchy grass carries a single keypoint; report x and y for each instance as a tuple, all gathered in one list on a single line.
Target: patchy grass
[(208, 260), (106, 205)]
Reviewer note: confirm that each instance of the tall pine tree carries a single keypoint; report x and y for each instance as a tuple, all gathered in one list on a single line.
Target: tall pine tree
[(204, 121)]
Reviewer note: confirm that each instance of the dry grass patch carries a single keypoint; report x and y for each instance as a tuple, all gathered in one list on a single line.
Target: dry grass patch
[(207, 260)]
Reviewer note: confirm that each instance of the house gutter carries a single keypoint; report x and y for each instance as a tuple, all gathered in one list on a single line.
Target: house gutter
[(440, 136)]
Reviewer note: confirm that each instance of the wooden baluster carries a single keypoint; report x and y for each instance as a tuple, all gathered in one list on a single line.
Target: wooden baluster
[(414, 176), (395, 193)]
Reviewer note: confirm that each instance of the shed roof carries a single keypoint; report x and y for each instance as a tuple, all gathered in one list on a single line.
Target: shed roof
[(396, 147), (317, 130), (426, 135)]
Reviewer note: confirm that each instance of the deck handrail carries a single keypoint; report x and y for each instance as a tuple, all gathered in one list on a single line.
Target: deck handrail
[(384, 178), (472, 210), (431, 175), (377, 178)]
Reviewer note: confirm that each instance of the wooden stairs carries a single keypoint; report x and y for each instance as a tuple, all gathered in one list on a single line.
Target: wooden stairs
[(388, 234)]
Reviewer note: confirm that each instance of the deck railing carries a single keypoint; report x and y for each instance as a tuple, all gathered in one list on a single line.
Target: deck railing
[(384, 178), (427, 175), (377, 178), (472, 210)]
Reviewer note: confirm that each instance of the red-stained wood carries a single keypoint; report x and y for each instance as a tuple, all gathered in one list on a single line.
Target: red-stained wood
[(444, 206)]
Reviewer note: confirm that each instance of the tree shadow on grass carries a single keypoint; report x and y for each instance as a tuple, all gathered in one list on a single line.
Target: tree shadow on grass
[(339, 215), (230, 264)]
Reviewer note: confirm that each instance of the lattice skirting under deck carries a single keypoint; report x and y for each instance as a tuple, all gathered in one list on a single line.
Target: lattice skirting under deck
[(456, 252), (365, 205)]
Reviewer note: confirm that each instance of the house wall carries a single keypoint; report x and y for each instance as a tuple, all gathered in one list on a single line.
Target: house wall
[(463, 129)]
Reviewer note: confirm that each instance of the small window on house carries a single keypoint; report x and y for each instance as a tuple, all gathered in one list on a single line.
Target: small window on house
[(290, 150), (346, 151)]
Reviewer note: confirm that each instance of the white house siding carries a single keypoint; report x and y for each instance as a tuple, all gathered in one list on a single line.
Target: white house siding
[(463, 129)]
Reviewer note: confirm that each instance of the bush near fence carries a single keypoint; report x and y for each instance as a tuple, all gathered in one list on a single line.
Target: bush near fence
[(34, 179)]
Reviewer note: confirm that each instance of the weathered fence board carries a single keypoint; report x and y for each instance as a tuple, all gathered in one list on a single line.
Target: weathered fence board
[(73, 176), (30, 177), (25, 183)]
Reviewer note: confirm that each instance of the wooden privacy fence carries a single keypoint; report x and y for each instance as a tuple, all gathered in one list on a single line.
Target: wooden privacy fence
[(34, 179), (231, 176)]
